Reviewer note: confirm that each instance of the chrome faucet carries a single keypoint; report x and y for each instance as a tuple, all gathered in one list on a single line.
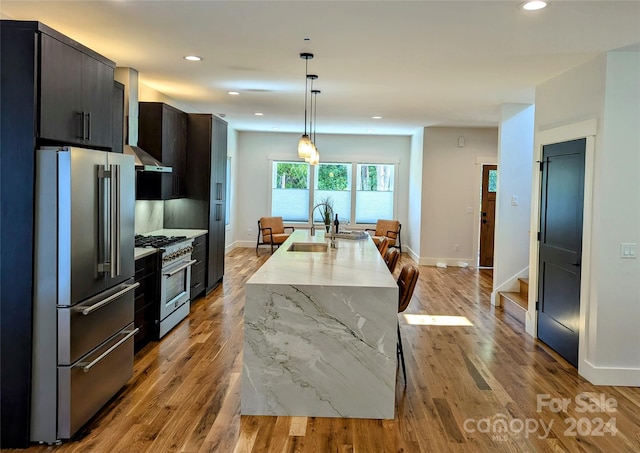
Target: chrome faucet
[(313, 228)]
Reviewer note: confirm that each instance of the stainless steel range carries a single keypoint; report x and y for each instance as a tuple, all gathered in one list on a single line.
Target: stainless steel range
[(175, 278)]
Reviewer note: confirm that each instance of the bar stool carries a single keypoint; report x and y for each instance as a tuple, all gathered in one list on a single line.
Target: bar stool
[(391, 258), (407, 283)]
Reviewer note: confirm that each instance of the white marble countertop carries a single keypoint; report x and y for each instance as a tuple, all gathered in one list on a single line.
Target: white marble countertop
[(355, 263), (190, 234), (141, 252)]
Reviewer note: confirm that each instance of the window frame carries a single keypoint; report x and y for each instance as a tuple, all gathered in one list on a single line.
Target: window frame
[(312, 185)]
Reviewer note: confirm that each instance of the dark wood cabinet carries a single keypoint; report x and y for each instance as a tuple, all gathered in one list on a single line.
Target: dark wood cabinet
[(162, 132), (37, 92), (146, 300), (75, 95), (198, 270), (204, 206), (117, 109)]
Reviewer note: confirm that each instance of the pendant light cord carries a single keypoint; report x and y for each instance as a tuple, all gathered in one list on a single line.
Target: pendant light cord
[(306, 81)]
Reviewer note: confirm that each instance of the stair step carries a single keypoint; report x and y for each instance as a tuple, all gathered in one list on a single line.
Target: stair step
[(524, 286), (515, 305)]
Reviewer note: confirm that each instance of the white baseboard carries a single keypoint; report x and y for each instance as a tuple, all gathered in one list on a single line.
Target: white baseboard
[(406, 249), (512, 284), (452, 262), (628, 377)]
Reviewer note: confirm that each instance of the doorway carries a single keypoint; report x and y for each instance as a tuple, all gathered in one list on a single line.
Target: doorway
[(488, 216), (560, 247)]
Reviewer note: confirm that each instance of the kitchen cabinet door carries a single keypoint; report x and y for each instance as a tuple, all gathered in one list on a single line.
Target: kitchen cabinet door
[(75, 96), (162, 132), (97, 91), (61, 116)]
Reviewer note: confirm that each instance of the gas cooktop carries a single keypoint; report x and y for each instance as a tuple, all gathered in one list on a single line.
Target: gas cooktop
[(157, 241)]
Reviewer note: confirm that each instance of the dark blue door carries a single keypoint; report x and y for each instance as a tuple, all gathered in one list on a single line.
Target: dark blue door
[(561, 210)]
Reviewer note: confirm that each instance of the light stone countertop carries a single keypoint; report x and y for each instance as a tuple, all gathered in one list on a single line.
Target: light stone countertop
[(352, 263), (190, 234), (141, 252)]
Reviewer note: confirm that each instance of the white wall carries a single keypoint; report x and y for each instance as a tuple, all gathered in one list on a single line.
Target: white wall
[(411, 234), (232, 152), (607, 90), (450, 188), (254, 173), (515, 158)]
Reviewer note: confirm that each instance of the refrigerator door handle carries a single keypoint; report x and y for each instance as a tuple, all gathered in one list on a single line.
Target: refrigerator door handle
[(106, 210), (87, 310), (87, 367), (115, 232)]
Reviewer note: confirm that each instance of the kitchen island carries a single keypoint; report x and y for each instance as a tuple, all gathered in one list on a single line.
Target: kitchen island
[(320, 331)]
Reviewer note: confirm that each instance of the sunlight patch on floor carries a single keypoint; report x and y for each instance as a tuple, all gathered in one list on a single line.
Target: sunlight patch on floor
[(436, 320)]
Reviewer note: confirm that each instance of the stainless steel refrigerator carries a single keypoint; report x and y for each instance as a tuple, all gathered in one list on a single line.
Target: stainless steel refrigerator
[(84, 286)]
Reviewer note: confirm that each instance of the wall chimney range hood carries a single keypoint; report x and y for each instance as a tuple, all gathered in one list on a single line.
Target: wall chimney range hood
[(145, 161)]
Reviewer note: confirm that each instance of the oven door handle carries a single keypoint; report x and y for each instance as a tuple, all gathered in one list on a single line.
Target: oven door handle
[(87, 310), (88, 366), (175, 271)]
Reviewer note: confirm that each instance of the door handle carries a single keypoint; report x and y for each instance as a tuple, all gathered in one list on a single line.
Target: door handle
[(484, 214), (175, 271), (576, 264), (484, 220), (87, 310), (81, 115), (88, 125), (88, 366), (115, 220)]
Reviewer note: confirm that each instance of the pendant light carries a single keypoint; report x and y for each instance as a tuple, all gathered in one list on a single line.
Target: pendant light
[(315, 156), (305, 146)]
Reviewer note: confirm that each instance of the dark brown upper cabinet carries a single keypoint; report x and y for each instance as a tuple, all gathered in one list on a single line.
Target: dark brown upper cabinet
[(76, 92), (162, 132)]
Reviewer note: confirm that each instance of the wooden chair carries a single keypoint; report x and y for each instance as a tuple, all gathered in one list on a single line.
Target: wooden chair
[(383, 245), (391, 258), (272, 231), (407, 283), (389, 229)]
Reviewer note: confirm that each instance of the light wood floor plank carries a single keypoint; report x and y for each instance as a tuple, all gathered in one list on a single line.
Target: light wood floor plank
[(185, 392)]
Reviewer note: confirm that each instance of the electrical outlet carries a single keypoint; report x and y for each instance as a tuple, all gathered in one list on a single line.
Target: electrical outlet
[(249, 232), (456, 247)]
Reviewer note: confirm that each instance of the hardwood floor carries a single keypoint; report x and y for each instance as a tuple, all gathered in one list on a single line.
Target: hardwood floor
[(461, 381)]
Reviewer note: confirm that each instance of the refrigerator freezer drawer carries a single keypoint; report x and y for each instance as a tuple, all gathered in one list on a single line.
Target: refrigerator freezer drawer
[(86, 386), (84, 326)]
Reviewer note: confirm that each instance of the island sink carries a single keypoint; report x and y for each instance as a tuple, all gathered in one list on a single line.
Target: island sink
[(308, 247)]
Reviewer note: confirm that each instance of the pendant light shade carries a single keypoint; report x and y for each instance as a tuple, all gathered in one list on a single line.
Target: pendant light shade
[(304, 144), (305, 147), (314, 159)]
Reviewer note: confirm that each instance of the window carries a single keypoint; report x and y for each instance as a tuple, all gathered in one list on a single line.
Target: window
[(374, 193), (290, 191), (296, 189), (493, 180), (334, 185)]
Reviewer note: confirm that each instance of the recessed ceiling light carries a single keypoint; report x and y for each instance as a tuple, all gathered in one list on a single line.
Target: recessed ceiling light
[(376, 117), (275, 128), (371, 130), (534, 5), (234, 93), (258, 114), (193, 58)]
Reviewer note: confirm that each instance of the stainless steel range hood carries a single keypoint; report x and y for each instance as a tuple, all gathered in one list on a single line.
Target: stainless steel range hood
[(145, 161)]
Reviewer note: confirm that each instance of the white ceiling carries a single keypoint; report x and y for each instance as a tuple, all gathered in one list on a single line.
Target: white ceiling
[(415, 63)]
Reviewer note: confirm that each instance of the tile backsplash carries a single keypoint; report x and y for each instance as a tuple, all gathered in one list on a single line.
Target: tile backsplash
[(149, 216)]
